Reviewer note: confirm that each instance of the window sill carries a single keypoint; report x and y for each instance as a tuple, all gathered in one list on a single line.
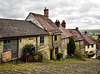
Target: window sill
[(41, 44), (6, 50)]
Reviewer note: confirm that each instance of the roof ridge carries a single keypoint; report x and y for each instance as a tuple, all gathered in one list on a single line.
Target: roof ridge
[(36, 14), (11, 19)]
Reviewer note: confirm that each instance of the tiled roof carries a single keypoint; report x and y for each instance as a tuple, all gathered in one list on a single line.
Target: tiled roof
[(46, 22), (98, 46), (88, 40), (76, 34), (65, 33), (15, 28)]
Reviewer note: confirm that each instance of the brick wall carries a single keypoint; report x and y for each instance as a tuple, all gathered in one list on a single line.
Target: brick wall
[(7, 55)]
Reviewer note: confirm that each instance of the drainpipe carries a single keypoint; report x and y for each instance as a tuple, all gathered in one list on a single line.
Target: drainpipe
[(52, 46), (79, 45), (52, 41), (36, 43)]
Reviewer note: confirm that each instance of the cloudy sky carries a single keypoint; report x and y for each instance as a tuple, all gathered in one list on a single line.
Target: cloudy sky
[(84, 14)]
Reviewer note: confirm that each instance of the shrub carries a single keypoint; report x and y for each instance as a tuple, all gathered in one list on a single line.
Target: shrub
[(29, 48), (59, 55), (30, 55), (78, 54), (40, 57), (71, 46), (90, 54), (71, 56)]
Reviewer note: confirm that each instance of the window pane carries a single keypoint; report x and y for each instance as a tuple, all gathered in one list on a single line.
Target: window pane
[(5, 46), (88, 46), (56, 50), (55, 37), (8, 41), (8, 44), (41, 39)]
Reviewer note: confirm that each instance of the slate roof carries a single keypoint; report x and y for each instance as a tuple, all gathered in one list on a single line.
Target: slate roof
[(88, 40), (76, 34), (46, 22), (98, 46), (16, 28), (65, 33)]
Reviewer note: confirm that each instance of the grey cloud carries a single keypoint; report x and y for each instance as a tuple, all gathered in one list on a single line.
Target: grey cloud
[(85, 7), (75, 12)]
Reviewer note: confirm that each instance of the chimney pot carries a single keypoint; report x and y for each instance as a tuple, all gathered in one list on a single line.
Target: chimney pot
[(63, 23), (46, 12), (76, 28), (57, 23), (85, 32)]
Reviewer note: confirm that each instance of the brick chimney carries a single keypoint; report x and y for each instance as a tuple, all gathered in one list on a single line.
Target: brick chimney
[(46, 12), (76, 28), (63, 23), (57, 23), (85, 32)]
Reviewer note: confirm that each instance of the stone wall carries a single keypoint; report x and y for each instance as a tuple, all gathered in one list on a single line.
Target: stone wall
[(1, 48)]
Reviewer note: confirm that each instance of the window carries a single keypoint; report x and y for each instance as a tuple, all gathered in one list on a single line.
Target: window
[(56, 50), (88, 46), (92, 45), (55, 37), (6, 45), (41, 39)]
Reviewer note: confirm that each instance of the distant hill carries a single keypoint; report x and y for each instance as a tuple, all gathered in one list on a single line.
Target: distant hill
[(93, 33)]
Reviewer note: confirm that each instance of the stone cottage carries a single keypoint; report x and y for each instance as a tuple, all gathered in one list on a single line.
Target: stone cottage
[(65, 36), (90, 45), (14, 34), (98, 48), (79, 39), (54, 38)]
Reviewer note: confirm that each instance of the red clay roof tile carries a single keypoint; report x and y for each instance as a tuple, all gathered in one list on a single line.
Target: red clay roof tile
[(88, 40), (45, 22), (65, 32), (76, 34)]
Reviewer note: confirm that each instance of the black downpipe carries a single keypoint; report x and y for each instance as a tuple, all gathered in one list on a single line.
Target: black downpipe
[(52, 42), (36, 43)]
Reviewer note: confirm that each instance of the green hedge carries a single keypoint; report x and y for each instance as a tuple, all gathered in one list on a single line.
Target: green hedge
[(59, 55)]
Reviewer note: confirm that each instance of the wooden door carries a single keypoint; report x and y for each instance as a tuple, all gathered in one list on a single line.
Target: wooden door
[(51, 52), (14, 49)]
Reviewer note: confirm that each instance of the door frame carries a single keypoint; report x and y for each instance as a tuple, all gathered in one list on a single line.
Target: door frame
[(51, 54), (17, 51)]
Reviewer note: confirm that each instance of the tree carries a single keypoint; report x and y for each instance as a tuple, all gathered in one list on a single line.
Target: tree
[(71, 46)]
